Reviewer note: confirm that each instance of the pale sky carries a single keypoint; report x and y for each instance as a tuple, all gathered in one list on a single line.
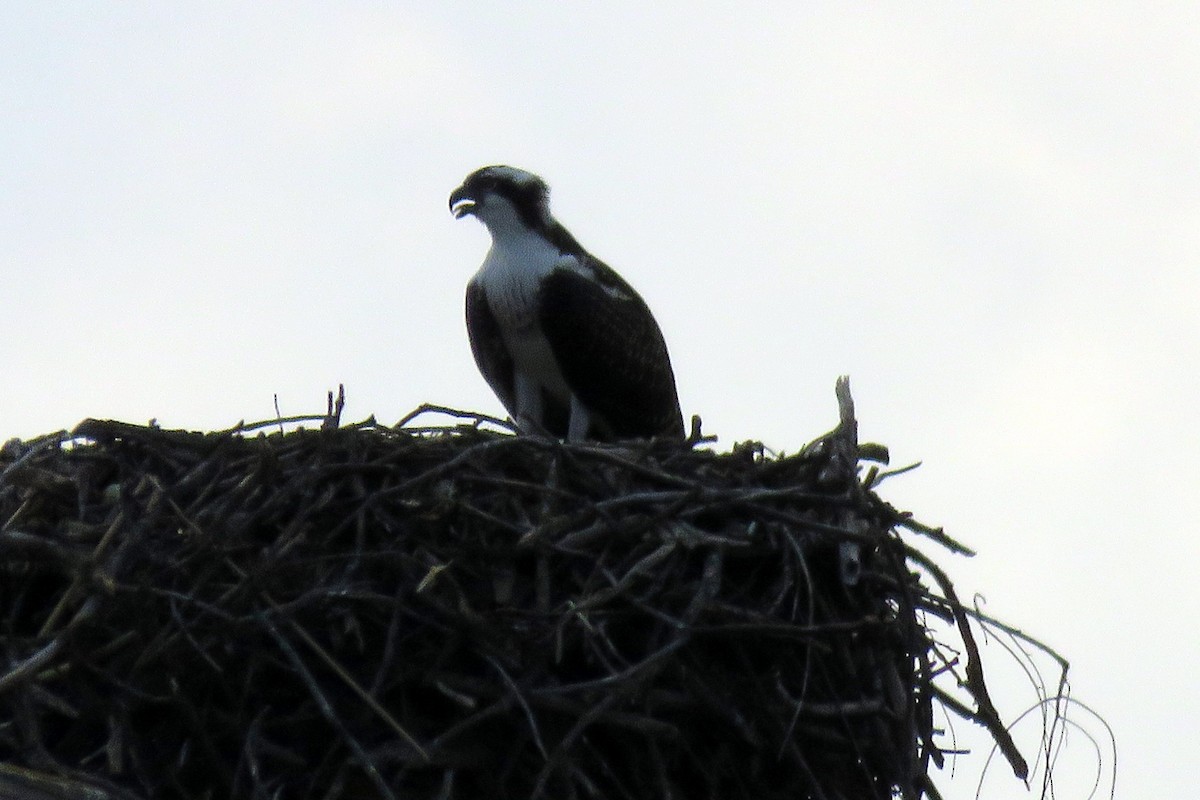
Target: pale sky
[(989, 217)]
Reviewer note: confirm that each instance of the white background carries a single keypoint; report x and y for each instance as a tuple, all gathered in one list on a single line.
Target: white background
[(987, 217)]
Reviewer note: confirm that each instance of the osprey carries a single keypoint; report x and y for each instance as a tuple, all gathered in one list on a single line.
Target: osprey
[(567, 345)]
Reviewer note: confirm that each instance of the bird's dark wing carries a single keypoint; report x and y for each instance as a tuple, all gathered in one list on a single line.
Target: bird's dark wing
[(488, 347), (611, 352)]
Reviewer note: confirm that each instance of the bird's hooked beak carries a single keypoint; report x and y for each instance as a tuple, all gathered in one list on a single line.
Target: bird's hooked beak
[(461, 203)]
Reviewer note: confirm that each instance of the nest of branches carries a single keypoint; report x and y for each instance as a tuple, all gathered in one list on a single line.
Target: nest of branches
[(365, 611)]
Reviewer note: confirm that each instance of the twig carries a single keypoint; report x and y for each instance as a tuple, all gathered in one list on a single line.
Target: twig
[(368, 763), (477, 418), (333, 415), (986, 714)]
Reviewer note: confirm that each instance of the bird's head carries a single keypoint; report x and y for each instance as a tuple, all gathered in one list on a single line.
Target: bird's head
[(502, 198)]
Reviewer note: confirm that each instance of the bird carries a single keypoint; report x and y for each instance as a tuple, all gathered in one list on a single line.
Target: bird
[(568, 346)]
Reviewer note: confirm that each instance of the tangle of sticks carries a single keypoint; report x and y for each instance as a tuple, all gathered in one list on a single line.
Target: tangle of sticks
[(365, 611)]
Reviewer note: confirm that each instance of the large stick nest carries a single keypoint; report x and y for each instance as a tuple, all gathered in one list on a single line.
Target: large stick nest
[(365, 611)]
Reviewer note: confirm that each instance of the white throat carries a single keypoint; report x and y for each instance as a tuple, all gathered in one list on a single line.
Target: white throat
[(515, 264), (500, 217)]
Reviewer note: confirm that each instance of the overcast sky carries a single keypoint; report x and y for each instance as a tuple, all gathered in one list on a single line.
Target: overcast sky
[(989, 217)]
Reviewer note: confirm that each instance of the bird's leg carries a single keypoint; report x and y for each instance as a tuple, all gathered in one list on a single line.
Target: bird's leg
[(580, 421), (528, 414)]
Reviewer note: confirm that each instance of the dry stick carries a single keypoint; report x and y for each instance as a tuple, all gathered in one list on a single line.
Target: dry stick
[(333, 416), (986, 714), (458, 461), (326, 708), (616, 678), (926, 785), (42, 444), (22, 671), (709, 499), (937, 534), (247, 427), (76, 586), (340, 671), (646, 725), (1017, 633), (107, 430), (371, 702), (39, 546), (182, 626), (877, 476), (623, 583), (1020, 636), (838, 532), (389, 642), (513, 483), (501, 706), (628, 527), (924, 677), (520, 698), (64, 784), (870, 707), (709, 587), (248, 756), (619, 457), (430, 408), (574, 733), (787, 630), (920, 680), (811, 602)]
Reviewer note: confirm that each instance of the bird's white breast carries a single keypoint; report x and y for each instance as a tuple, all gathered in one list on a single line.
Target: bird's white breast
[(510, 277), (511, 274)]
